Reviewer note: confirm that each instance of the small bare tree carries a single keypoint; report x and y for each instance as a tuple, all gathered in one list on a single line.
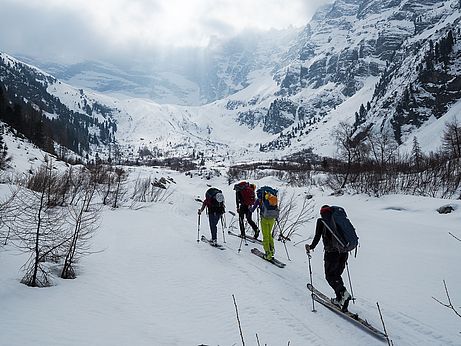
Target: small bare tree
[(83, 221), (451, 139), (79, 180), (119, 186), (383, 146), (293, 215), (44, 225), (4, 217), (351, 148), (38, 229), (449, 303)]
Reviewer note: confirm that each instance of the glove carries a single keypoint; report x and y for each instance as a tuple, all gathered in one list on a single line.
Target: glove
[(199, 212), (308, 248)]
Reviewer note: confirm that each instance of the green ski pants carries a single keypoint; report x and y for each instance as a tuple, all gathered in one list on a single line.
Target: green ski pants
[(268, 241)]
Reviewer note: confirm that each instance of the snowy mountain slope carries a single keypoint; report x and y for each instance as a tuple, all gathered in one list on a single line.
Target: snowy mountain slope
[(420, 88), (135, 123), (276, 97), (430, 134), (151, 283), (350, 42)]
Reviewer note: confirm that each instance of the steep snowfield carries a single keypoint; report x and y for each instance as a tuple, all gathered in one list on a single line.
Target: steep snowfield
[(150, 283), (430, 135)]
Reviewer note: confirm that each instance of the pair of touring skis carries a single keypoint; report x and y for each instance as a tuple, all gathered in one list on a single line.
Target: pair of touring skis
[(206, 240), (254, 251), (274, 261), (249, 238), (353, 317), (257, 252)]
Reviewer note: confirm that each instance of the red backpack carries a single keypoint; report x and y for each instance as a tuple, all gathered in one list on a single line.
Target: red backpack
[(247, 193)]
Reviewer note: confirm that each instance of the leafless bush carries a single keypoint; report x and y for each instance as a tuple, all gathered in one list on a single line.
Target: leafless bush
[(83, 222), (46, 178), (120, 188), (293, 173), (4, 219), (79, 182), (382, 169), (449, 304), (110, 182), (42, 223), (293, 216), (37, 229), (151, 191)]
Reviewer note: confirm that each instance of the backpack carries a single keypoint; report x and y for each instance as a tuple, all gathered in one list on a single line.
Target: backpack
[(216, 200), (269, 204), (247, 193), (342, 229)]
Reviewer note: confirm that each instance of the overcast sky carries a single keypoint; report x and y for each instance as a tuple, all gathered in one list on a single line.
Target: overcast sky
[(65, 29)]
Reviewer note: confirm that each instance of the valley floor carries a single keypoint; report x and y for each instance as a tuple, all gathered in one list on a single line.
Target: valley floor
[(150, 282)]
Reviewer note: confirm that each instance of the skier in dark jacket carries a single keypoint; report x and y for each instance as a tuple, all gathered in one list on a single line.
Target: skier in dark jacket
[(214, 202), (243, 205), (334, 259)]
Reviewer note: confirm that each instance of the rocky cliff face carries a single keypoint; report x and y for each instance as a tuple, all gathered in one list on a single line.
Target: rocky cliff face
[(352, 40), (418, 86)]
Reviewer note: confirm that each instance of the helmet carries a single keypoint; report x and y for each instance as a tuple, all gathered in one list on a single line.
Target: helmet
[(219, 197)]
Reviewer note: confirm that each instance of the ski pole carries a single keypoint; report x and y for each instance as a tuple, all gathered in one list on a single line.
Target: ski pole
[(198, 229), (308, 252), (283, 239), (240, 246), (350, 282), (389, 341), (223, 226), (286, 250)]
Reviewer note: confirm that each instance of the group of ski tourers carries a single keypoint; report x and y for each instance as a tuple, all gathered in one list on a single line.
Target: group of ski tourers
[(333, 227), (248, 199)]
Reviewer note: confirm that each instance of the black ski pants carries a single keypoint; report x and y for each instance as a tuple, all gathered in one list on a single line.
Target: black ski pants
[(335, 262), (244, 212)]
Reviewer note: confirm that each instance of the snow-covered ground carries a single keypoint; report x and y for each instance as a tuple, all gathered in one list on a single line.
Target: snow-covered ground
[(150, 282)]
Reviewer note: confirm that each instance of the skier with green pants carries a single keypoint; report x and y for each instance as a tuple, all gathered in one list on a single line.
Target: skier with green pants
[(268, 208)]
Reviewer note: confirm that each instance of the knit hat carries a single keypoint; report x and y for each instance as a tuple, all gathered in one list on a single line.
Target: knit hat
[(325, 209)]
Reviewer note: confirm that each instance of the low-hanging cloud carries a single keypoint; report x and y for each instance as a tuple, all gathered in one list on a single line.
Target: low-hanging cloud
[(81, 29)]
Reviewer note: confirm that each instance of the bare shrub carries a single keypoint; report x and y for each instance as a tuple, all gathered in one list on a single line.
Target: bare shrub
[(42, 223), (37, 229), (151, 191), (120, 189), (293, 216), (83, 222)]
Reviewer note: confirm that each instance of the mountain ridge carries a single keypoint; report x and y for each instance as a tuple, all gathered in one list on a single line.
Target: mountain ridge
[(370, 63)]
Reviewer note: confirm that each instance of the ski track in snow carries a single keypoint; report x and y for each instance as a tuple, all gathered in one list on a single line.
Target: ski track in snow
[(150, 282)]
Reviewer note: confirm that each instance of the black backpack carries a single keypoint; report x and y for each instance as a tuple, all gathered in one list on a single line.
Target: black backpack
[(215, 206), (342, 229)]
